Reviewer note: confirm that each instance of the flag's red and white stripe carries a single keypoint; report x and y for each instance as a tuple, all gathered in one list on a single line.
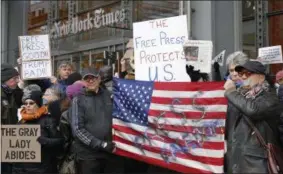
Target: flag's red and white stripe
[(205, 159)]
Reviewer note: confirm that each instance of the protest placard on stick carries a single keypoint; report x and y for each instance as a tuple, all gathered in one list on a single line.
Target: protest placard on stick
[(36, 59), (19, 143), (270, 55)]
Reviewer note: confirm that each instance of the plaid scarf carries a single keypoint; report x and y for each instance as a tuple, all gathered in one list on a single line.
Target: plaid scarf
[(255, 90)]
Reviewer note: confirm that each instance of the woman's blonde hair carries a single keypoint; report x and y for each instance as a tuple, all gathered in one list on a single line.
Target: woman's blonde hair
[(62, 65)]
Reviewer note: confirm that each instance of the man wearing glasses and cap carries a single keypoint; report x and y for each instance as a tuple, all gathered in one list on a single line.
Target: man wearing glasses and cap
[(92, 125), (254, 101)]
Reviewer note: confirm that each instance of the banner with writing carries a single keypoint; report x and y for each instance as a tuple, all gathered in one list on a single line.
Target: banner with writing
[(158, 50), (270, 55), (19, 143), (35, 54), (198, 53)]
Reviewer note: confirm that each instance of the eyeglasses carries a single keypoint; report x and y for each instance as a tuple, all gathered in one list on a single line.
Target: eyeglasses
[(29, 103), (246, 73), (90, 78)]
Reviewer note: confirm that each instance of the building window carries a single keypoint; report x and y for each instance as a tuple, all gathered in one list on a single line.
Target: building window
[(149, 10), (34, 2), (33, 14), (248, 7), (41, 12)]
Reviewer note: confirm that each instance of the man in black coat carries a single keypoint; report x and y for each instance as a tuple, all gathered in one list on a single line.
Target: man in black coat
[(9, 108), (92, 125), (254, 101)]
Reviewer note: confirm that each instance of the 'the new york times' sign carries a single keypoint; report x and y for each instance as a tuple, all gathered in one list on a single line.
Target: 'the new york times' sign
[(96, 19)]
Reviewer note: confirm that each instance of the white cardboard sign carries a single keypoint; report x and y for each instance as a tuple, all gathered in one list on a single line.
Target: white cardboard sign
[(219, 58), (158, 49), (35, 54), (36, 69), (270, 55), (198, 53)]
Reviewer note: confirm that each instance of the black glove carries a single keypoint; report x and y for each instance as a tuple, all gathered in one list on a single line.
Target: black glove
[(45, 141), (216, 67), (108, 146)]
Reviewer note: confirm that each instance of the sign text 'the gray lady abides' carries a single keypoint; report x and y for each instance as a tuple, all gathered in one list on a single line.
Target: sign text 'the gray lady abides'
[(97, 20)]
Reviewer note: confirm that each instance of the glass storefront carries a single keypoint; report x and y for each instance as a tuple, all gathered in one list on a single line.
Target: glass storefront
[(91, 42)]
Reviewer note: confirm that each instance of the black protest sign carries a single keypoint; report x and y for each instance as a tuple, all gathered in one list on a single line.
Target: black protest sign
[(19, 143)]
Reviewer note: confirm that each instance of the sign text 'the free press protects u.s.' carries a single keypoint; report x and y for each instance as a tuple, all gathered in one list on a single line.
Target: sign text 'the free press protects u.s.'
[(19, 143), (158, 49)]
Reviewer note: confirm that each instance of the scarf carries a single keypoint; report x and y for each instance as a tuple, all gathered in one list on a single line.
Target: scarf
[(6, 89), (27, 117), (255, 90)]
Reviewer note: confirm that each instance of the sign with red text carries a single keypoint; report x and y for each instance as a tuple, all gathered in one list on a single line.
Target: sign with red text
[(270, 55), (35, 54), (198, 53), (158, 49), (19, 143)]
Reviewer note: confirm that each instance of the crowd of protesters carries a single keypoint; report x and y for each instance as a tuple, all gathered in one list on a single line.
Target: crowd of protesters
[(74, 111)]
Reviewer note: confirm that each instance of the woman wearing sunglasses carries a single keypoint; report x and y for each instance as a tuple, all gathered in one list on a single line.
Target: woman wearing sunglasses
[(33, 112)]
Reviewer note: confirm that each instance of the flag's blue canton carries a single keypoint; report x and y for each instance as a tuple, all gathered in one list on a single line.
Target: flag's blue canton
[(132, 100)]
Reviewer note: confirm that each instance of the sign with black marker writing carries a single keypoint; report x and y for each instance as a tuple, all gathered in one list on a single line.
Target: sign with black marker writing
[(19, 143), (270, 55), (35, 69), (35, 54)]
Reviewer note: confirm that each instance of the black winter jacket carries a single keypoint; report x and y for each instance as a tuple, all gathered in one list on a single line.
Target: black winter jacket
[(9, 108), (244, 153), (51, 141), (91, 123)]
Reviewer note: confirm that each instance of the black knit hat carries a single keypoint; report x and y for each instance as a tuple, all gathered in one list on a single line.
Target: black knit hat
[(36, 96), (8, 72), (72, 78)]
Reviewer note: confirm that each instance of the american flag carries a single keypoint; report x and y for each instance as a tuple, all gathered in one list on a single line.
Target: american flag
[(176, 125)]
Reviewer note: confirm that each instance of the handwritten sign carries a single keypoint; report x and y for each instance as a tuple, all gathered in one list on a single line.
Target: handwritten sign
[(19, 143), (270, 55), (35, 54), (36, 69), (219, 58), (158, 49), (198, 53)]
